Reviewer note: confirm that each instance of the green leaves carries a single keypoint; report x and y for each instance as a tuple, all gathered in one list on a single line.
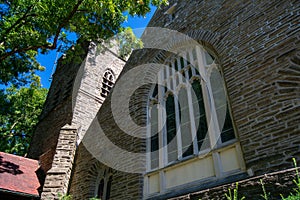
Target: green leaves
[(30, 26), (19, 112), (127, 42)]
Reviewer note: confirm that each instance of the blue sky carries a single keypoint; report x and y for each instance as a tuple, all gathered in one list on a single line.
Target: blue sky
[(136, 23)]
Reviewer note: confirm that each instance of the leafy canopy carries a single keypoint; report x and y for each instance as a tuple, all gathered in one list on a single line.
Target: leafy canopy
[(19, 112), (28, 27), (127, 42)]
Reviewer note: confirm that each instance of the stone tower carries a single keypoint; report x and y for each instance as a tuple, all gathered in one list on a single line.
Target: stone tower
[(77, 92)]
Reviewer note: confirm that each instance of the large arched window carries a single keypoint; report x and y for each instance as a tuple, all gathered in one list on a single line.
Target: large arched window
[(191, 134), (107, 83)]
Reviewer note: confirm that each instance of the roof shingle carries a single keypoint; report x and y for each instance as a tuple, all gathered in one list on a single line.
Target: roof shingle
[(17, 174)]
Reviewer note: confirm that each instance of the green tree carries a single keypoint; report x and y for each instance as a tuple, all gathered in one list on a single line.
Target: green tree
[(28, 27), (128, 41), (19, 112)]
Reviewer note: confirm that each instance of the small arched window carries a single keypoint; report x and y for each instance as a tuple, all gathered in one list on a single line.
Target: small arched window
[(107, 83), (103, 185)]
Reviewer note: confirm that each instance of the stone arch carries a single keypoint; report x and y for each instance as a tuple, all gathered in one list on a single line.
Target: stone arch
[(97, 171)]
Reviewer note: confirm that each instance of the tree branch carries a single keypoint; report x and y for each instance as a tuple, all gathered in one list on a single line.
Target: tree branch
[(7, 2), (14, 124), (25, 15), (14, 135), (65, 22), (46, 46)]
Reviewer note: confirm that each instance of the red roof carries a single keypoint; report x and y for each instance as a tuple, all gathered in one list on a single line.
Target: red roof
[(17, 174)]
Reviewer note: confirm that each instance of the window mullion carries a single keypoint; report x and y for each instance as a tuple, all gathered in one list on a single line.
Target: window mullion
[(148, 142), (192, 61), (217, 164), (201, 67), (213, 126), (105, 187), (168, 77), (214, 117), (189, 55), (177, 119), (161, 126), (179, 69), (192, 120), (179, 63), (201, 62)]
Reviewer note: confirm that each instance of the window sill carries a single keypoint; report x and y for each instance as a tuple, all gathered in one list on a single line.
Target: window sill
[(191, 158), (198, 185)]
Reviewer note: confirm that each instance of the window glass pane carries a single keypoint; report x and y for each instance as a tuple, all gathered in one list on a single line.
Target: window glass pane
[(199, 113), (185, 123), (171, 129), (197, 70), (176, 64), (165, 72), (187, 151), (155, 91), (217, 86), (190, 72), (165, 89), (209, 58), (170, 71), (107, 83), (154, 151), (101, 189), (176, 81), (108, 188), (182, 62), (154, 137), (220, 101), (227, 131)]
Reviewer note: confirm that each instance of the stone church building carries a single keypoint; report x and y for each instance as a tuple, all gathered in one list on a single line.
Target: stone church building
[(212, 99)]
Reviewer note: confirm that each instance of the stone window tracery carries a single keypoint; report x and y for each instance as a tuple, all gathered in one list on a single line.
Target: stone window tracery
[(190, 124)]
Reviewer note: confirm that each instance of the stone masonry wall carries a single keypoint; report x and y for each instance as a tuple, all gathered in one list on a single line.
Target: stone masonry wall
[(257, 46), (57, 110), (74, 98), (87, 168), (86, 90), (57, 179), (276, 184)]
